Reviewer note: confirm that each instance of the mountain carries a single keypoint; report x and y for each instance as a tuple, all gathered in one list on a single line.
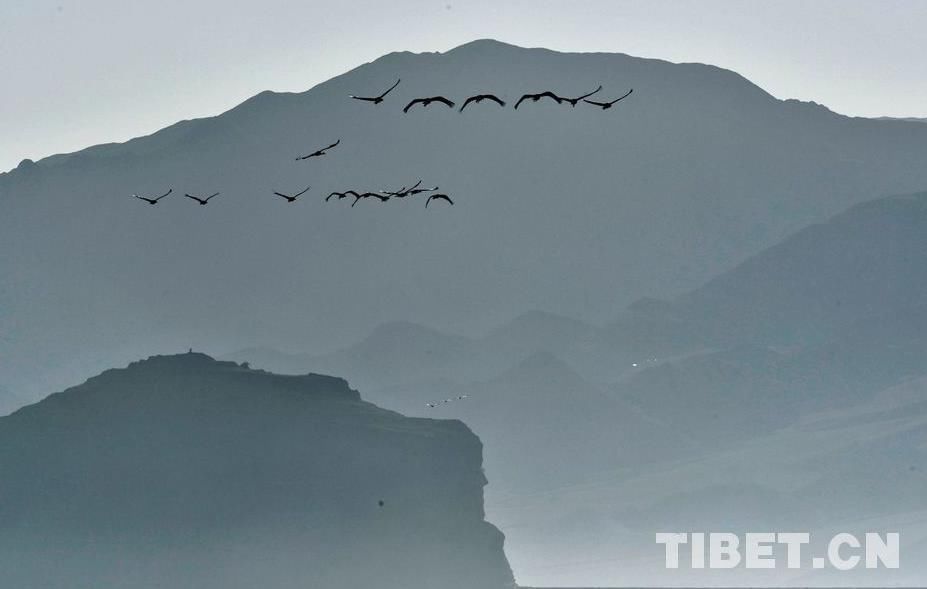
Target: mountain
[(400, 355), (860, 468), (862, 264), (182, 471), (576, 212), (541, 412), (787, 391)]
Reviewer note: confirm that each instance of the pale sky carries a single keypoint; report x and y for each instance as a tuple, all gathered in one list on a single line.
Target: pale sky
[(81, 72)]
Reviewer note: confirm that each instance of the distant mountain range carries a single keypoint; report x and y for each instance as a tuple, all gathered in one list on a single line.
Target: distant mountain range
[(180, 471), (575, 211), (823, 328)]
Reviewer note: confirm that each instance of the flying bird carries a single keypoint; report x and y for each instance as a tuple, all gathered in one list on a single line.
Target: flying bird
[(202, 201), (480, 98), (319, 152), (402, 192), (429, 100), (294, 197), (341, 195), (377, 99), (358, 197), (608, 105), (536, 97), (153, 201), (573, 101), (415, 191), (438, 197)]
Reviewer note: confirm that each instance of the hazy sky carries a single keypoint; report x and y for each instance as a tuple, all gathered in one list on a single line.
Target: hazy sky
[(81, 72)]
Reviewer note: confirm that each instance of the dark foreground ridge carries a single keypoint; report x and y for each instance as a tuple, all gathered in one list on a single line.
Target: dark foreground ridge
[(182, 471)]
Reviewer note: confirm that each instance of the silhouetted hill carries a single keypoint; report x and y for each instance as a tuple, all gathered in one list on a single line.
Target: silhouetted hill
[(574, 211), (180, 471)]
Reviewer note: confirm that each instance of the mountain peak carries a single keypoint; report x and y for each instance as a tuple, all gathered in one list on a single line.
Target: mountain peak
[(484, 45)]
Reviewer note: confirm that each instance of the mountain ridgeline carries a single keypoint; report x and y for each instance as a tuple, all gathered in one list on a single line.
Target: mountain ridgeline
[(181, 471), (576, 211)]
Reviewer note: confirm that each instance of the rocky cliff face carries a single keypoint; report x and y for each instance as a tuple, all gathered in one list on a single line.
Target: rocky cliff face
[(181, 471)]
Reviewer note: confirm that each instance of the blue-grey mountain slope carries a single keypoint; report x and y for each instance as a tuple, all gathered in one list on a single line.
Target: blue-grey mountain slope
[(574, 211), (180, 471)]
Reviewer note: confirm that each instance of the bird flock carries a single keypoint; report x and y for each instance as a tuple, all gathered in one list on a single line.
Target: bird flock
[(433, 404), (478, 98), (385, 195)]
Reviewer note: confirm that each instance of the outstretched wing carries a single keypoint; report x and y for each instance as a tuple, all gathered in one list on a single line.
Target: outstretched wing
[(303, 192), (596, 103), (331, 146), (193, 198), (496, 99), (523, 98), (165, 194), (550, 94), (628, 93), (443, 100), (591, 93), (211, 195), (390, 88), (413, 103), (438, 196), (282, 195), (362, 98), (468, 101)]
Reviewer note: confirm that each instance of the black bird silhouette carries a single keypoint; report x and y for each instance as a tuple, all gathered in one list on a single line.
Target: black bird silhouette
[(429, 100), (381, 503), (415, 191), (341, 195), (319, 152), (294, 197), (202, 201), (536, 97), (382, 197), (436, 197), (480, 98), (402, 192), (377, 99), (153, 201), (608, 105), (573, 101)]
